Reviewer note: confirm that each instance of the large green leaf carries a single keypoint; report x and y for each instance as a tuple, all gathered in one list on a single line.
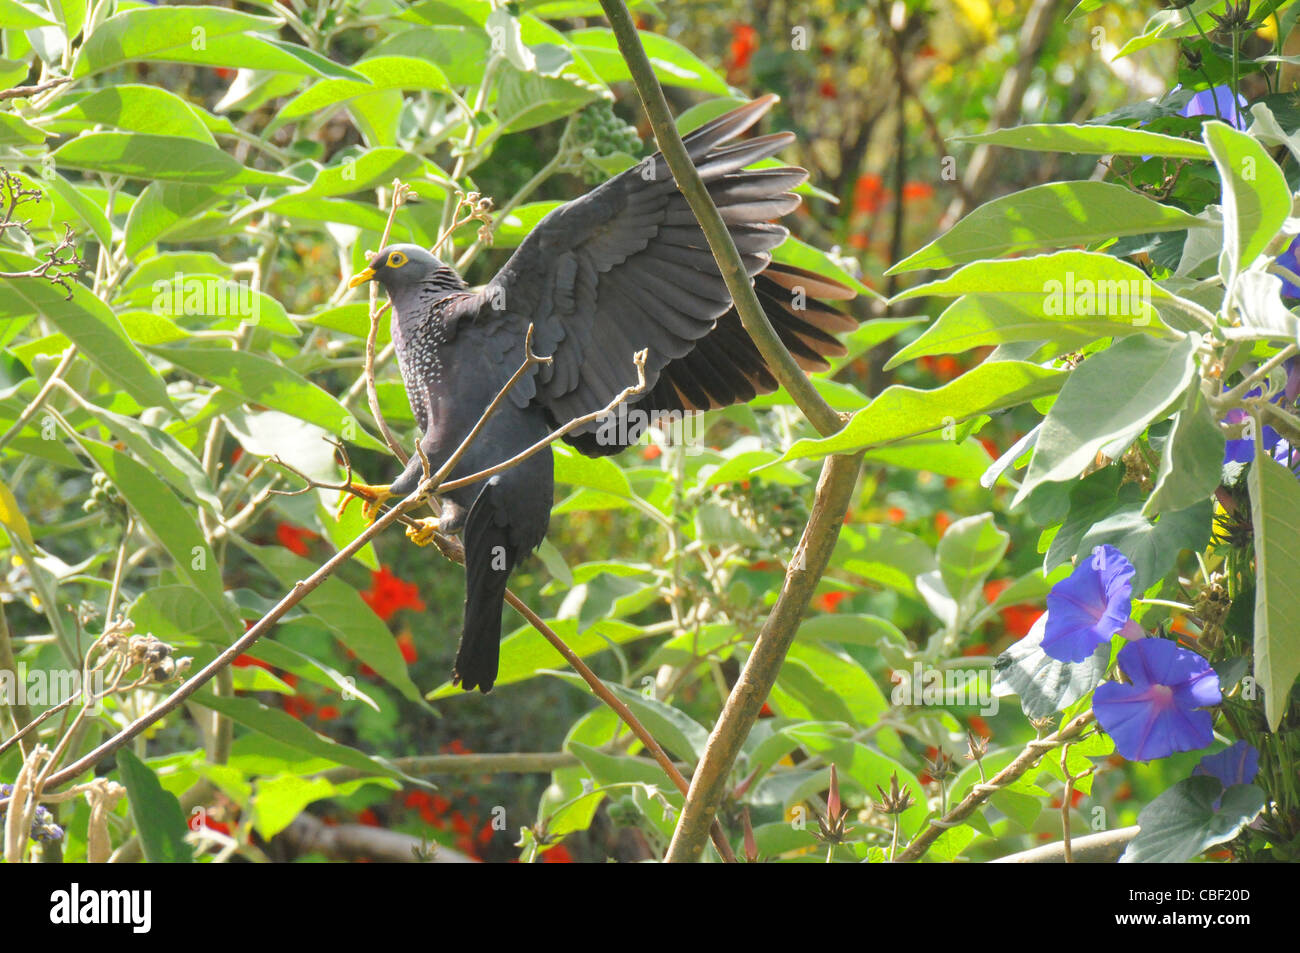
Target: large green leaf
[(968, 551), (1091, 140), (1064, 283), (1192, 816), (157, 814), (1192, 462), (1109, 400), (135, 108), (288, 730), (902, 412), (980, 321), (382, 72), (1047, 216), (1275, 513), (673, 63), (152, 157), (170, 521), (259, 380), (1256, 197), (88, 323)]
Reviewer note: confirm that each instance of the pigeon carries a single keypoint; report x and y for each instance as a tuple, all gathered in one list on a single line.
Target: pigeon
[(620, 270)]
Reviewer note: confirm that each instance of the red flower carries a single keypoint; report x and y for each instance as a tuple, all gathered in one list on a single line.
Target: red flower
[(651, 452), (979, 726), (327, 712), (559, 854), (827, 90), (367, 817), (1018, 619), (744, 41), (829, 600), (246, 661), (917, 191), (294, 538), (868, 194), (406, 642), (941, 522), (895, 514), (388, 594)]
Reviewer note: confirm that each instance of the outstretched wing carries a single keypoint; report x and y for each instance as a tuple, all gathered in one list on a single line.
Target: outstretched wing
[(626, 267)]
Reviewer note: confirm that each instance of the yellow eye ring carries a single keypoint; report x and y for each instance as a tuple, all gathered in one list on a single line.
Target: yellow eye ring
[(396, 259)]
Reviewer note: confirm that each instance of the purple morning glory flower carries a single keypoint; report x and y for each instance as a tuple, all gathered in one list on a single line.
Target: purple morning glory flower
[(1090, 606), (1236, 765), (1161, 711), (1217, 102), (1288, 260)]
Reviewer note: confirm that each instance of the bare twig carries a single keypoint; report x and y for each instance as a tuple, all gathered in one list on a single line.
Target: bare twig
[(22, 92), (38, 401)]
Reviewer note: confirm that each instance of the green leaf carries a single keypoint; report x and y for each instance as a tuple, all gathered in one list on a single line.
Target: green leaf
[(901, 412), (163, 453), (1275, 513), (1047, 216), (341, 609), (170, 521), (1108, 401), (156, 33), (594, 473), (1044, 685), (89, 324), (134, 108), (173, 158), (968, 551), (1192, 463), (1091, 140), (11, 517), (157, 814), (286, 729), (383, 73), (1064, 283), (673, 63), (259, 380), (525, 100), (1256, 198), (1184, 821), (980, 321), (161, 207), (19, 16)]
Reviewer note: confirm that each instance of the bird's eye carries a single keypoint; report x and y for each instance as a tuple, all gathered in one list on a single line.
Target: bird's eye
[(396, 260)]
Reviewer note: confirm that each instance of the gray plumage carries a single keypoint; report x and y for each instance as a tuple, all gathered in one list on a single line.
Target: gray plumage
[(623, 268)]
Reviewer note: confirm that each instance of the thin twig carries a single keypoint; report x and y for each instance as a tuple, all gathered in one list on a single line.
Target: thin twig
[(41, 395)]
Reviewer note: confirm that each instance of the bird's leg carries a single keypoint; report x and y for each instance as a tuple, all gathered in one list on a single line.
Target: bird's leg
[(449, 523), (372, 498)]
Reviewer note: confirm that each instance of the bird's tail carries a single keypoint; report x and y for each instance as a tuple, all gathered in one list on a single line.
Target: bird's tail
[(489, 559)]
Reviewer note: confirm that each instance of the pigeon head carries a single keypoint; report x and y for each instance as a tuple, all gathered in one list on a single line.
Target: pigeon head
[(407, 267)]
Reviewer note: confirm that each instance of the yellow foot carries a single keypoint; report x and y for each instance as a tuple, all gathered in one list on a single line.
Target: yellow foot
[(423, 532), (372, 498)]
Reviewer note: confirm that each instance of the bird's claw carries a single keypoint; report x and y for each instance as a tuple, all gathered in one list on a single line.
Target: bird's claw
[(372, 497), (424, 530)]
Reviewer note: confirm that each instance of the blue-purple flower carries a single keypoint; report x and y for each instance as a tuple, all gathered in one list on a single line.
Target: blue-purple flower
[(1162, 711), (1291, 262), (1242, 450), (1236, 765), (1217, 102), (1090, 606)]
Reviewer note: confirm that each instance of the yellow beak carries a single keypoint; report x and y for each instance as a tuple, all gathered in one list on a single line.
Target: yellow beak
[(361, 277)]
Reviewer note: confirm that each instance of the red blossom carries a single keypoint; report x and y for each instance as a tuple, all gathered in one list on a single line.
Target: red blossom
[(294, 538), (406, 642), (917, 191), (829, 600), (868, 194), (388, 594), (744, 41), (559, 854)]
